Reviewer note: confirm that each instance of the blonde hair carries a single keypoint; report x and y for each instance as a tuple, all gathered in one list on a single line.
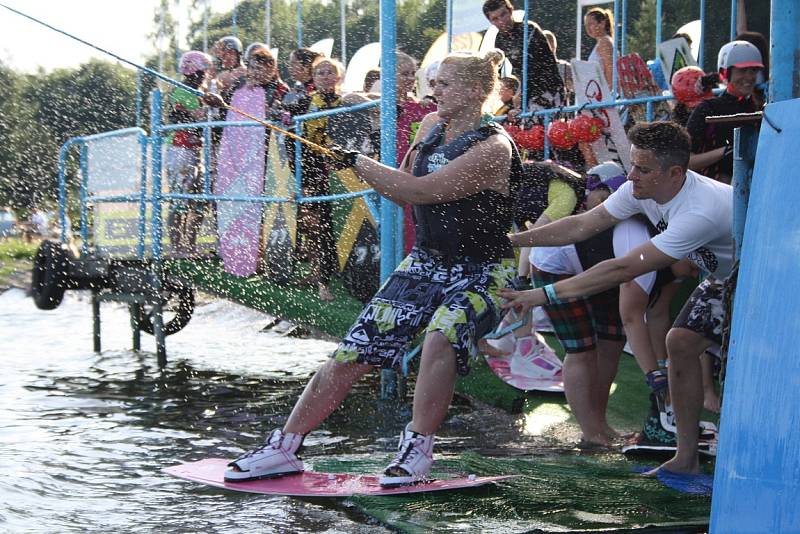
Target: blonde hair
[(335, 62), (479, 67)]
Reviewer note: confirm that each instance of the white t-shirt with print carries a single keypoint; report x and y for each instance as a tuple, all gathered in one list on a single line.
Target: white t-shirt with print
[(696, 224)]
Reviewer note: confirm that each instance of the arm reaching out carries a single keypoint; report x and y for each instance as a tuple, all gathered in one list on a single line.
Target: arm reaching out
[(604, 275), (567, 230)]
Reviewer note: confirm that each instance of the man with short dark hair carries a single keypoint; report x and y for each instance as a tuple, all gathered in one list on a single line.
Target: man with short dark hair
[(545, 88), (693, 214)]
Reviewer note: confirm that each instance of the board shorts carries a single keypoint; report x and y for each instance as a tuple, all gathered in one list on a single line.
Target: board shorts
[(579, 323), (431, 293), (703, 313)]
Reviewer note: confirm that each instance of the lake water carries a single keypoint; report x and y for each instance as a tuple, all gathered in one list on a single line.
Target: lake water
[(83, 436)]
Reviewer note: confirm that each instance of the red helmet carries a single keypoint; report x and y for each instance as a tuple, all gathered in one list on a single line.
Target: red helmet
[(560, 135), (686, 87), (585, 128)]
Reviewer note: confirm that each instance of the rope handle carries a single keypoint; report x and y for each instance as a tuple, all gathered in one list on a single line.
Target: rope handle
[(310, 144)]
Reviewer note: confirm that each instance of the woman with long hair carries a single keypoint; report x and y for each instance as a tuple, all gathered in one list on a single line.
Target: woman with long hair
[(599, 24)]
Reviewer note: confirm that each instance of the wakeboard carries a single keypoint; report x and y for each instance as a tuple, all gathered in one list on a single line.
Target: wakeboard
[(210, 472)]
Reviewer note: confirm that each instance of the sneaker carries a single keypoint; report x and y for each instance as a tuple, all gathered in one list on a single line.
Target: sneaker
[(413, 460), (533, 358), (708, 430), (277, 457), (659, 433)]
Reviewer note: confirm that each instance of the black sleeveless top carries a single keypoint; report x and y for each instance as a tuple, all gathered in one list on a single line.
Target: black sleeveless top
[(474, 226)]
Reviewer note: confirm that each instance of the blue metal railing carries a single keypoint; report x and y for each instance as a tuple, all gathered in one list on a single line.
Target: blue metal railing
[(84, 196)]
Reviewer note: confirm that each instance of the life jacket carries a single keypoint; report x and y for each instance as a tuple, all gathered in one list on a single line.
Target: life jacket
[(475, 226)]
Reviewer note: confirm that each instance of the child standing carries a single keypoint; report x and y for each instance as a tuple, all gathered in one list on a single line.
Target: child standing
[(183, 153)]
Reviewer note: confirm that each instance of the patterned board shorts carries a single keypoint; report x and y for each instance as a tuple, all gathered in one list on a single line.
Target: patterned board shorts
[(455, 297), (703, 312), (579, 323)]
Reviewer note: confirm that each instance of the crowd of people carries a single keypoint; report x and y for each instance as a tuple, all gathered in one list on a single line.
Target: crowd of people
[(603, 251)]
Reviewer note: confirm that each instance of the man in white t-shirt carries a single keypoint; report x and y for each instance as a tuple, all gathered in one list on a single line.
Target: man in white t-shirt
[(694, 215)]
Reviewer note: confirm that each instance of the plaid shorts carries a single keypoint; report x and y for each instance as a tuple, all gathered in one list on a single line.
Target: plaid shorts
[(456, 297), (579, 323)]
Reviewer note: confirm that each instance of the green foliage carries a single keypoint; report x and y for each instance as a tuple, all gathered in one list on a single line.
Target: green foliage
[(39, 112), (17, 249)]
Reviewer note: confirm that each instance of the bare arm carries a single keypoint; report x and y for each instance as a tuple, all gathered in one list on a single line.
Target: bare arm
[(605, 275), (605, 49), (485, 166), (698, 162), (566, 231)]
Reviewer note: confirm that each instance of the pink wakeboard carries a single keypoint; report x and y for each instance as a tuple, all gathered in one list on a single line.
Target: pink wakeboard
[(531, 366), (312, 484)]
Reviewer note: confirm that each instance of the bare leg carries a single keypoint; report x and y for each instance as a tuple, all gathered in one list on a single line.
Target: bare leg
[(632, 308), (323, 394), (580, 388), (711, 401), (608, 354), (658, 321), (686, 390), (435, 384)]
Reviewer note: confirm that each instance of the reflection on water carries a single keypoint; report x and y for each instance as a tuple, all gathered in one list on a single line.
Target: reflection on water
[(83, 436)]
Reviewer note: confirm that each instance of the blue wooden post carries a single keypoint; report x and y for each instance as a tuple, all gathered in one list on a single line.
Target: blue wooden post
[(783, 78), (755, 483)]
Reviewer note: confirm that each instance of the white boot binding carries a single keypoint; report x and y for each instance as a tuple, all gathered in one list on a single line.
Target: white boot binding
[(414, 458), (277, 457)]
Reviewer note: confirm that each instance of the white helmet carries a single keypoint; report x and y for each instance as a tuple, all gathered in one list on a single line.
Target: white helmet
[(739, 54), (194, 61), (607, 174)]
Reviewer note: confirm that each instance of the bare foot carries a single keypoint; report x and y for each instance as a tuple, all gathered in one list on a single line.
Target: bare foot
[(673, 466), (711, 402), (325, 293)]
